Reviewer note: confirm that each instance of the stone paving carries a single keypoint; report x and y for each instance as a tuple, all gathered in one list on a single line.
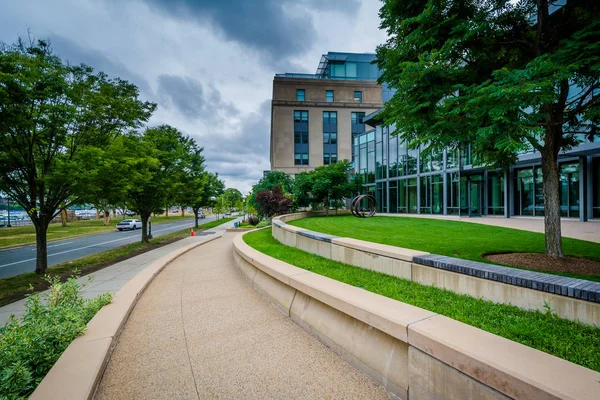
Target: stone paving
[(571, 228), (111, 279), (201, 331)]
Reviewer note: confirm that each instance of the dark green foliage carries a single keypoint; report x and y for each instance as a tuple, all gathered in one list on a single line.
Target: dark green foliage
[(544, 331), (30, 347), (327, 185), (503, 75), (54, 120), (272, 180)]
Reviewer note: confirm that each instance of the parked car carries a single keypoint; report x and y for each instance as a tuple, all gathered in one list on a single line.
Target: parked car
[(131, 224), (201, 215), (129, 213)]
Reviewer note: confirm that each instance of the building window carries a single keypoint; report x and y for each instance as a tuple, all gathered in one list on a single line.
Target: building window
[(329, 96), (358, 97), (357, 125), (495, 185), (301, 159), (299, 94), (329, 158), (330, 117), (300, 116)]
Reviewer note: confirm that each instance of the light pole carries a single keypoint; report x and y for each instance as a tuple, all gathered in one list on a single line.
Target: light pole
[(213, 198)]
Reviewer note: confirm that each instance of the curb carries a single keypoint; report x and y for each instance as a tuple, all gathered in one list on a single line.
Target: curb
[(76, 374)]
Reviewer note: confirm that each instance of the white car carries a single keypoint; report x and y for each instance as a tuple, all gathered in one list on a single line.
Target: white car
[(132, 224)]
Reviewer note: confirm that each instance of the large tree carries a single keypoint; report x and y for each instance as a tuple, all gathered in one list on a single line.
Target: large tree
[(193, 187), (272, 180), (505, 76), (167, 145), (327, 185), (53, 118)]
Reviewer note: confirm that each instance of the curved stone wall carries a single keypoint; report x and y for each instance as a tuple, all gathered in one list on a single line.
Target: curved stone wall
[(414, 353), (573, 299)]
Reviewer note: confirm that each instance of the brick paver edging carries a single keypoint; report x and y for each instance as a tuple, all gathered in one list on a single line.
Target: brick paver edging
[(77, 372), (559, 285), (412, 352)]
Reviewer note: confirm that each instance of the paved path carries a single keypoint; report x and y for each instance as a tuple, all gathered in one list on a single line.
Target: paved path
[(201, 331), (571, 228), (19, 260), (111, 279)]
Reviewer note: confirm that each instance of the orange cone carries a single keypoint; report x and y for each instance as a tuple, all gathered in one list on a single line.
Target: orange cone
[(192, 232)]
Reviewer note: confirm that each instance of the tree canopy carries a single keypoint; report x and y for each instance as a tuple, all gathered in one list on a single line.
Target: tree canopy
[(505, 76), (53, 119)]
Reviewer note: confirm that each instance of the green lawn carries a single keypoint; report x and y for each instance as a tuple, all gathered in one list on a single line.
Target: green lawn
[(449, 238), (26, 234), (13, 288), (569, 340)]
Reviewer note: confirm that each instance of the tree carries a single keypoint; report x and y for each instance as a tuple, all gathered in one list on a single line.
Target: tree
[(232, 196), (53, 118), (219, 205), (191, 189), (169, 147), (327, 185), (272, 202), (505, 76), (272, 180)]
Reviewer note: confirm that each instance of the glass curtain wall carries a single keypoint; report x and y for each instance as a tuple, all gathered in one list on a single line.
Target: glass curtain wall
[(596, 187), (495, 186)]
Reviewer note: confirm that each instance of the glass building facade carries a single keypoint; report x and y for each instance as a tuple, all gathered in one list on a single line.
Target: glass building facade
[(450, 181)]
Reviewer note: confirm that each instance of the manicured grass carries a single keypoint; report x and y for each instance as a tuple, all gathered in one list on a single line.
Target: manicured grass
[(26, 234), (449, 238), (569, 340), (14, 288)]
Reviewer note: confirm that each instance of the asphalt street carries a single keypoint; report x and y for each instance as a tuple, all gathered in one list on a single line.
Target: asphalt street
[(19, 260)]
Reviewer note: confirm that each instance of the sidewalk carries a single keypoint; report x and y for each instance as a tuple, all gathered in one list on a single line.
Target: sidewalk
[(201, 330), (111, 279), (570, 228)]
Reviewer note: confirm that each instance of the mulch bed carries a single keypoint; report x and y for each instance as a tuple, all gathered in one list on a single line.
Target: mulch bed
[(542, 262)]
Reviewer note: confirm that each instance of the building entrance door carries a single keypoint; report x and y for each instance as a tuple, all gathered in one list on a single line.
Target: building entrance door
[(475, 195)]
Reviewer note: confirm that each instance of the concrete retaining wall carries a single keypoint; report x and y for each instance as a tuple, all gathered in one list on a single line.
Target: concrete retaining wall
[(573, 299), (412, 352)]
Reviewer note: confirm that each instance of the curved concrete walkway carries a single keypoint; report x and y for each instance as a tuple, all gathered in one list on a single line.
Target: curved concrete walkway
[(201, 331)]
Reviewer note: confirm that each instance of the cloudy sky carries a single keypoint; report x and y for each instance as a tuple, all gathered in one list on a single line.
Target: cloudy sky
[(208, 64)]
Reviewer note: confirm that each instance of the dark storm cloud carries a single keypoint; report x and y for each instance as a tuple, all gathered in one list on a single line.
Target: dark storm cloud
[(240, 156), (72, 52), (188, 96), (279, 28)]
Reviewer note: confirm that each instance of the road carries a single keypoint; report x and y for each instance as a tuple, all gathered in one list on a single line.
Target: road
[(22, 259)]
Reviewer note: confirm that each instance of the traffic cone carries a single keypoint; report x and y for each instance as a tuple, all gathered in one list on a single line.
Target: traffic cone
[(192, 232)]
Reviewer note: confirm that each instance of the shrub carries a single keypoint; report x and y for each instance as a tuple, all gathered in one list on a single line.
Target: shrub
[(30, 346), (253, 220), (262, 224)]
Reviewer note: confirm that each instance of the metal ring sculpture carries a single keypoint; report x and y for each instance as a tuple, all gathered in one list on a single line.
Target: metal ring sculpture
[(372, 206)]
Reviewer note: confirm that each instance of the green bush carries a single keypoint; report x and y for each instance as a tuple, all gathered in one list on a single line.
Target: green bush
[(31, 345), (253, 220), (262, 224)]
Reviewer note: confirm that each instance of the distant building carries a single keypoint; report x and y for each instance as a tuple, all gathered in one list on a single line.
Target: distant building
[(314, 116)]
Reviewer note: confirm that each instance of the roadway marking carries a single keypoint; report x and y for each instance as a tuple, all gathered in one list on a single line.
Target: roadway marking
[(85, 247), (55, 245)]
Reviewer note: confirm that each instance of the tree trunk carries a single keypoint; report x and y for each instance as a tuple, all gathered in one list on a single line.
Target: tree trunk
[(144, 216), (41, 262), (97, 214), (551, 175), (63, 217), (167, 212), (195, 210), (106, 217), (182, 212)]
